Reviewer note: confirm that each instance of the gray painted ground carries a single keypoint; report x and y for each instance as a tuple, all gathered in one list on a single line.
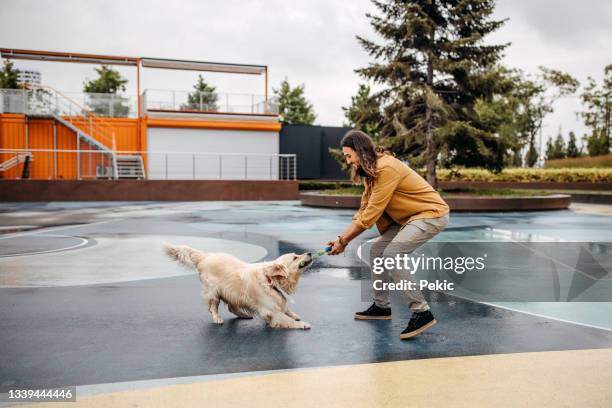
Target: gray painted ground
[(103, 304)]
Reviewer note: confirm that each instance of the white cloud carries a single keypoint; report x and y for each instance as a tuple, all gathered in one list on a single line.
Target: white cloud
[(310, 42)]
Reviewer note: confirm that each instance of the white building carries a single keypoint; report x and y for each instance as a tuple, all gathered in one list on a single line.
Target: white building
[(28, 76)]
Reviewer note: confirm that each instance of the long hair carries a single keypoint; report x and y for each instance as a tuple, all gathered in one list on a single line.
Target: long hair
[(367, 152)]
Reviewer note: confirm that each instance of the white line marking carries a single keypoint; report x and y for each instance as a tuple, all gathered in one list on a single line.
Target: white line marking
[(80, 244), (510, 308), (51, 229), (530, 313)]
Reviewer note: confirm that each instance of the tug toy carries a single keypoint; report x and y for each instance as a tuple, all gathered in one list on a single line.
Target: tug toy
[(322, 252)]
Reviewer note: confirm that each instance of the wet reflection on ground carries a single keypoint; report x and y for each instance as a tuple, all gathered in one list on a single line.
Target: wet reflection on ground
[(134, 315)]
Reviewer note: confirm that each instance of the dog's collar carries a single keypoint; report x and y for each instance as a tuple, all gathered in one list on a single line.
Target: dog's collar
[(280, 291)]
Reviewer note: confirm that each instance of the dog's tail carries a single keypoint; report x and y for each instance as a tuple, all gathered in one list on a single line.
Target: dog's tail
[(186, 256)]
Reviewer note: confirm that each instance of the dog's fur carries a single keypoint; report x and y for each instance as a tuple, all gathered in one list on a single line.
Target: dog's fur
[(247, 289)]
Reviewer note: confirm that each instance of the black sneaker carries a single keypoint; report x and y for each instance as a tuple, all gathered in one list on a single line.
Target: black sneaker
[(419, 322), (374, 313)]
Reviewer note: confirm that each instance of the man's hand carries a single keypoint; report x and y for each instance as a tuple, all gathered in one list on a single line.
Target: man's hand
[(336, 247)]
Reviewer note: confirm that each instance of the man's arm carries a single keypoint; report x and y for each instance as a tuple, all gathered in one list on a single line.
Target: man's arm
[(338, 245)]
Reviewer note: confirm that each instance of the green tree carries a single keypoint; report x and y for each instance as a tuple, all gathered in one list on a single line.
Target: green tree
[(598, 102), (364, 113), (109, 81), (203, 97), (596, 143), (435, 65), (9, 76), (572, 147), (559, 150), (536, 98), (501, 115), (550, 149), (293, 107)]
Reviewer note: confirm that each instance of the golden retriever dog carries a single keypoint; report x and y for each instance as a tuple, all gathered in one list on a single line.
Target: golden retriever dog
[(247, 289)]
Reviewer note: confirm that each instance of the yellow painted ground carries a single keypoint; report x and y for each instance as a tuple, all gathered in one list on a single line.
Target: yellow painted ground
[(581, 378), (596, 209)]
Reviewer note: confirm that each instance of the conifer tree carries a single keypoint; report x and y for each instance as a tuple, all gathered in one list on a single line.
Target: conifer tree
[(572, 147), (436, 66), (203, 97), (293, 107), (9, 76), (364, 112)]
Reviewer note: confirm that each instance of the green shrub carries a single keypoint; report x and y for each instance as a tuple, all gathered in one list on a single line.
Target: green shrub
[(324, 185), (594, 175)]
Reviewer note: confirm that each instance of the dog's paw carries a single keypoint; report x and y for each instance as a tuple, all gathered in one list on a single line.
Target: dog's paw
[(218, 320), (305, 325)]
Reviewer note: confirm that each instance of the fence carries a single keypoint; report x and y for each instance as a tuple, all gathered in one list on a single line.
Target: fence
[(88, 163), (100, 104), (172, 100), (125, 106)]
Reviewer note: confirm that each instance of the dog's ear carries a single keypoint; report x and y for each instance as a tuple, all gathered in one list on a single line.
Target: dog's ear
[(276, 270)]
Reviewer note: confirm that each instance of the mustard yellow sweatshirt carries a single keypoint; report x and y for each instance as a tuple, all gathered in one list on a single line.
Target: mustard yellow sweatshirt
[(399, 195)]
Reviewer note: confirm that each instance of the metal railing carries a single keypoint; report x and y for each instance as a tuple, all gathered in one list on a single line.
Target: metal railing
[(58, 164), (93, 164), (46, 101), (125, 106), (173, 100), (107, 105), (220, 166), (14, 160), (100, 104)]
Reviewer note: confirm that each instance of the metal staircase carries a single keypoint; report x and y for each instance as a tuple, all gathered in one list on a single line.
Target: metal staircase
[(130, 167), (15, 160), (46, 102), (82, 135)]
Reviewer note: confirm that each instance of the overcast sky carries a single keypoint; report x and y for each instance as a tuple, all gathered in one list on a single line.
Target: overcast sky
[(309, 42)]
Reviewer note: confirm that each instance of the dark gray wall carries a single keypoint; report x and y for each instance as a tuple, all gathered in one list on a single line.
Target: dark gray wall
[(311, 144)]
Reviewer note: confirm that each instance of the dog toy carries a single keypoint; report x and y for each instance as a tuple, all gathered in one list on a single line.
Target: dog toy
[(322, 252)]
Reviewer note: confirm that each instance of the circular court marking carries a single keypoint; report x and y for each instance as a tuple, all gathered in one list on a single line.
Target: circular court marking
[(113, 258), (40, 244)]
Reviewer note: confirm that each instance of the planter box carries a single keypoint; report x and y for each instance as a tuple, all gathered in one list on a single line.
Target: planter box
[(147, 190), (456, 203)]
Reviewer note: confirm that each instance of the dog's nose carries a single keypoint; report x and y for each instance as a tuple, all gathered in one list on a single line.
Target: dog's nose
[(308, 253)]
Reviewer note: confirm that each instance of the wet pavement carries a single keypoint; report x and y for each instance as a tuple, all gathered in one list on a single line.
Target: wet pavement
[(87, 297)]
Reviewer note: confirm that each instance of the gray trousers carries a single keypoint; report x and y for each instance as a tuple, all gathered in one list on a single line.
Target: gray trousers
[(404, 240)]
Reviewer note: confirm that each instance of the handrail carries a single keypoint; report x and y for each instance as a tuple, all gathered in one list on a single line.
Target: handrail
[(194, 91), (14, 161), (164, 165), (89, 113), (140, 152)]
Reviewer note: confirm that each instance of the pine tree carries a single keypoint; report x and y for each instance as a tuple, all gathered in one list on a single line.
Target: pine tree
[(203, 97), (559, 151), (109, 81), (364, 113), (572, 147), (9, 76), (436, 66), (293, 107), (550, 149)]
